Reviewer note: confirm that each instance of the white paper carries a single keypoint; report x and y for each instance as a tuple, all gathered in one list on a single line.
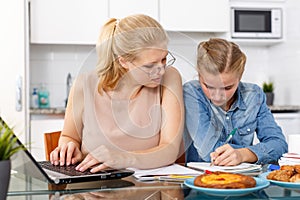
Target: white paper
[(243, 167), (291, 155), (175, 169), (289, 159)]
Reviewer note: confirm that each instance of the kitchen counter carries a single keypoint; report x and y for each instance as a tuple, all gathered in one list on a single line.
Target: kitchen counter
[(284, 108), (47, 111), (61, 111)]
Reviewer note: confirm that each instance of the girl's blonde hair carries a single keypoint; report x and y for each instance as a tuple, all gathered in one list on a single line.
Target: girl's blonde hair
[(217, 55), (126, 38)]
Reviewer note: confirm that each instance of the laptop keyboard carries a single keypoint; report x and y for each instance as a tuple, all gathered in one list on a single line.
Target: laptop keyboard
[(70, 170)]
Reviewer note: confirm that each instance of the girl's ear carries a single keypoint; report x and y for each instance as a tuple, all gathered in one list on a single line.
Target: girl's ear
[(123, 62)]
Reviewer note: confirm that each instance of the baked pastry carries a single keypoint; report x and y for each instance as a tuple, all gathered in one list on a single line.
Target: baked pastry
[(281, 175), (295, 178), (224, 180), (286, 173), (288, 167), (297, 168)]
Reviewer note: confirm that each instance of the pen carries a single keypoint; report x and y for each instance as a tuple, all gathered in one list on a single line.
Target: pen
[(230, 135), (226, 141), (181, 176), (176, 178)]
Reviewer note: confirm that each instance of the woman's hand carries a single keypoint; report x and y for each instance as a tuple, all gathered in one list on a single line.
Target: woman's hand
[(66, 154), (102, 157)]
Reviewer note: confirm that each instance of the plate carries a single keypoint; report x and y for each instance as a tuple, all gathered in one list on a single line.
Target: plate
[(260, 184), (280, 183)]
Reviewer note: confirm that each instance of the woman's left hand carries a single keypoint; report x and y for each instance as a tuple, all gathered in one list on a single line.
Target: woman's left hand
[(102, 157), (226, 155)]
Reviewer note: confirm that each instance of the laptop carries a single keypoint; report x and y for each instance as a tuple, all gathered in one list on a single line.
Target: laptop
[(23, 162)]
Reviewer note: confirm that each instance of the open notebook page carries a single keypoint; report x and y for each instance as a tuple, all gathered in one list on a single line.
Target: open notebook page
[(174, 169), (241, 168)]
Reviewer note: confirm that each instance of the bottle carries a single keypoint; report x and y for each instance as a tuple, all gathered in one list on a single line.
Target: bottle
[(43, 97), (35, 98)]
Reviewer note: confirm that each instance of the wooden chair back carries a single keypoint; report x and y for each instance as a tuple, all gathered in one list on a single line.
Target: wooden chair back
[(181, 158), (51, 142)]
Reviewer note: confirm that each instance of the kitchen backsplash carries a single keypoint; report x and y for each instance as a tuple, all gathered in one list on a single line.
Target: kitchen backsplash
[(50, 64), (280, 63)]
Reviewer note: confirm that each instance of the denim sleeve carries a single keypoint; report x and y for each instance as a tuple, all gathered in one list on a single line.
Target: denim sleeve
[(272, 143), (199, 128)]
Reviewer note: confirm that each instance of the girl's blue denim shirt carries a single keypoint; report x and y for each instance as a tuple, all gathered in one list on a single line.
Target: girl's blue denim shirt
[(207, 126)]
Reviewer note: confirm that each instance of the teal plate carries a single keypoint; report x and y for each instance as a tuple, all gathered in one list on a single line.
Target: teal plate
[(280, 183), (260, 184)]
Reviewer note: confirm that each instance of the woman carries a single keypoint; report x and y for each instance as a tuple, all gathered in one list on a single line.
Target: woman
[(219, 104), (129, 112)]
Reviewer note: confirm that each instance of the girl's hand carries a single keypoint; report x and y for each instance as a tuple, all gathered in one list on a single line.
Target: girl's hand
[(102, 157), (66, 154), (226, 156)]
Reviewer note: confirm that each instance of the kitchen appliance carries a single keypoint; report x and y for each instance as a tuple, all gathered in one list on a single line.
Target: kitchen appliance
[(256, 22)]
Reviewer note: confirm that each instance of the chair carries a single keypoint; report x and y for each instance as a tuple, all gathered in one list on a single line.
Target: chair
[(181, 158), (51, 142)]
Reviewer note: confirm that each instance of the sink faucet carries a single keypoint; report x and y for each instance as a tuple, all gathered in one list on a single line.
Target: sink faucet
[(69, 84)]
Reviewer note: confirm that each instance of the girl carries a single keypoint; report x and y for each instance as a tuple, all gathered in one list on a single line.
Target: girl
[(219, 102)]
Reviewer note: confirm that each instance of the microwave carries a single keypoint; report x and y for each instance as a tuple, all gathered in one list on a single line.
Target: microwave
[(257, 23)]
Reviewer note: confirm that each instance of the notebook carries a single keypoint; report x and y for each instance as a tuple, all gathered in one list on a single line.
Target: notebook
[(244, 168), (23, 162), (174, 172)]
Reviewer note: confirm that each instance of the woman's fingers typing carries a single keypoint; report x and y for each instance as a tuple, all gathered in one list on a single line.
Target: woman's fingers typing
[(54, 158), (87, 163), (65, 154), (62, 154), (98, 168)]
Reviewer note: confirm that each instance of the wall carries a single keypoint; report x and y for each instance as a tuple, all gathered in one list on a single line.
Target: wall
[(50, 64), (284, 60), (280, 63)]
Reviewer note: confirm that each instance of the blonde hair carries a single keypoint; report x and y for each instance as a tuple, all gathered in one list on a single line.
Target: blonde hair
[(126, 38), (218, 55)]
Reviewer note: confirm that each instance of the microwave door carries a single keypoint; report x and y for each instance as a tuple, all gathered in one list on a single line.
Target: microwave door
[(252, 23)]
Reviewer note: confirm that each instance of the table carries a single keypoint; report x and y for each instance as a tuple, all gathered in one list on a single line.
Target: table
[(24, 187)]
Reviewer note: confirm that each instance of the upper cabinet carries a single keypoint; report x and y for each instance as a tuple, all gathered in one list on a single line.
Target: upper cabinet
[(79, 21), (67, 21), (195, 15), (122, 8)]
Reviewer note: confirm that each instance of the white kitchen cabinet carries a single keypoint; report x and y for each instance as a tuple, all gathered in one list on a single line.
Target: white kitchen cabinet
[(13, 62), (195, 15), (67, 21), (122, 8), (38, 128), (290, 124)]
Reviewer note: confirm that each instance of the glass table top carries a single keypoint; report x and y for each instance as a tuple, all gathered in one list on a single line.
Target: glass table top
[(22, 187)]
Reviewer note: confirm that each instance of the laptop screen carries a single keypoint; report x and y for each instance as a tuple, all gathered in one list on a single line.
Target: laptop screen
[(23, 162)]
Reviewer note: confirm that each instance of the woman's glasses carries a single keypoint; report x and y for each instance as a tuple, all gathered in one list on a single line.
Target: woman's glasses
[(152, 70)]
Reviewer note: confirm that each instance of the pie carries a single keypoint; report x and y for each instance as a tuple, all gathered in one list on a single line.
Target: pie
[(224, 180), (286, 173)]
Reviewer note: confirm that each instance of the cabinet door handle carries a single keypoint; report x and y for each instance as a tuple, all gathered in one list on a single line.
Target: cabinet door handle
[(19, 93)]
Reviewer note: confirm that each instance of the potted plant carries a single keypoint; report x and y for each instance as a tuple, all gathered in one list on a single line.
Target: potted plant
[(8, 147), (268, 88)]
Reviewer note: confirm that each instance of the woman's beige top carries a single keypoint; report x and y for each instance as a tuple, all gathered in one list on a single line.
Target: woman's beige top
[(126, 124)]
